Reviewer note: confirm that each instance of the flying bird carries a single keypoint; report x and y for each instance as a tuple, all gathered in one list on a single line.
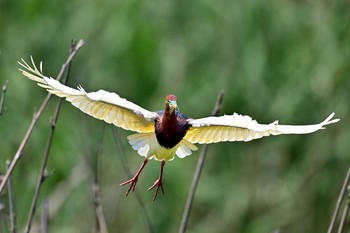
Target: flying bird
[(163, 134)]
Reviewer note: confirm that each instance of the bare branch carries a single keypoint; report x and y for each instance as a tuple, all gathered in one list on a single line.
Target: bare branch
[(13, 228), (35, 119), (41, 176), (345, 212), (2, 100), (340, 199), (101, 220), (198, 171), (101, 225)]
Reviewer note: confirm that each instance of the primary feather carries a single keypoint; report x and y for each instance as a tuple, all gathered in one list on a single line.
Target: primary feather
[(243, 128), (102, 105)]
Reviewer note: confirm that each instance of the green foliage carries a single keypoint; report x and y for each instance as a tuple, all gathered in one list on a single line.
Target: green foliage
[(285, 60)]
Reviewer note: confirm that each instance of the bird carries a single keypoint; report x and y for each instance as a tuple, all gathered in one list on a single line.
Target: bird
[(162, 135)]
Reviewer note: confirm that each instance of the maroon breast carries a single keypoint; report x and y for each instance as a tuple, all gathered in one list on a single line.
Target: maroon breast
[(170, 130)]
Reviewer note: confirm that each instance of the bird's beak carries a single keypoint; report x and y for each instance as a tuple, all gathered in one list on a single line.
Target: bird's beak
[(173, 104)]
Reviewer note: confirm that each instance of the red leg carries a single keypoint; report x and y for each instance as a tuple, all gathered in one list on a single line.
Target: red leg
[(158, 182), (133, 181)]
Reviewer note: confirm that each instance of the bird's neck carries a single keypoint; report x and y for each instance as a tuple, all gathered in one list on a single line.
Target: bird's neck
[(169, 117), (168, 112)]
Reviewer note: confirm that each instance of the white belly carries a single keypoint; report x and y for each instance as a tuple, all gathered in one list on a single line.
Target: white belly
[(146, 145)]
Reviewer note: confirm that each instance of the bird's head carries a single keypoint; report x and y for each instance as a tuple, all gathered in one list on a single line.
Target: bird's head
[(171, 103)]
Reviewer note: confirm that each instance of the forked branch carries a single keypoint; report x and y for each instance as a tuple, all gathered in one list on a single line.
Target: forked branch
[(35, 118)]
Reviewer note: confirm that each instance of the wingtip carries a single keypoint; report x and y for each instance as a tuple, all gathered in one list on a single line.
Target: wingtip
[(329, 119), (23, 63)]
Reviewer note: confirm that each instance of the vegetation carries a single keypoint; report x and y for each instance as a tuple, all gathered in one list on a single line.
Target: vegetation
[(275, 60)]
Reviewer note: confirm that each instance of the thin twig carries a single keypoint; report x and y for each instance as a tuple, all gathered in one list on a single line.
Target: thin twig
[(35, 119), (344, 215), (42, 175), (198, 171), (101, 220), (340, 199), (101, 225), (13, 228), (93, 162), (2, 100), (128, 174)]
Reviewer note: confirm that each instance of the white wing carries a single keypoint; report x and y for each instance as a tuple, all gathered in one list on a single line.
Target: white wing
[(102, 105), (243, 128)]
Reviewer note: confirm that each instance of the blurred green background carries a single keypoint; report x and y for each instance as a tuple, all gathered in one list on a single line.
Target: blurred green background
[(275, 60)]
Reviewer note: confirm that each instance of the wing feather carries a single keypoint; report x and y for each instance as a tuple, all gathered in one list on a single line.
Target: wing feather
[(243, 128), (102, 105)]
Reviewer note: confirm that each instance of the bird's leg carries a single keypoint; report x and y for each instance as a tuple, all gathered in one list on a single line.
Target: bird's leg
[(133, 181), (158, 182)]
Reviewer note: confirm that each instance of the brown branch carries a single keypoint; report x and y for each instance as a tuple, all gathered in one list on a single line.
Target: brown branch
[(128, 174), (101, 220), (53, 123), (344, 216), (2, 100), (198, 171), (35, 119), (101, 225), (13, 228), (93, 162), (340, 199)]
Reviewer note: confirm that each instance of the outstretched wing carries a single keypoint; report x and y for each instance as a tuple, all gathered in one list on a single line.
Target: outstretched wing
[(243, 128), (102, 105)]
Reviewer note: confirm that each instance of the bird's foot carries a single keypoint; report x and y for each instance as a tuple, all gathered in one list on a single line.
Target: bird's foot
[(159, 185), (133, 181), (158, 182)]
